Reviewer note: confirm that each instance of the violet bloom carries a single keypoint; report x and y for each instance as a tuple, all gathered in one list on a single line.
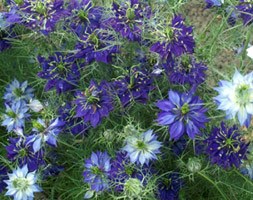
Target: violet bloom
[(174, 39), (15, 116), (46, 133), (94, 103), (134, 87), (74, 125), (42, 15), (61, 72), (225, 146), (17, 91), (21, 150), (169, 187), (245, 10), (97, 169), (84, 15), (186, 70), (96, 45), (129, 18), (182, 113)]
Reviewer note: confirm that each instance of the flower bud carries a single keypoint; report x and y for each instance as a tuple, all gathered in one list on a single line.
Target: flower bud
[(194, 165)]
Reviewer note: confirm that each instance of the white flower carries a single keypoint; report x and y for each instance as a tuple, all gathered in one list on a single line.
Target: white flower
[(35, 105), (143, 148), (250, 52), (236, 97), (21, 184)]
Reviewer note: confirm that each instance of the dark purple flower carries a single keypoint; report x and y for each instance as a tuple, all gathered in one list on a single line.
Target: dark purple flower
[(3, 176), (4, 36), (94, 103), (185, 70), (233, 15), (74, 125), (61, 72), (245, 9), (174, 39), (42, 15), (96, 45), (84, 15), (134, 87), (21, 150), (97, 169), (129, 18), (169, 187), (225, 146), (182, 113)]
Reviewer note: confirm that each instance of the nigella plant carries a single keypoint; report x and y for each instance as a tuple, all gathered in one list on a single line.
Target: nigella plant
[(134, 87), (42, 15), (96, 45), (61, 72), (46, 133), (169, 187), (225, 146), (74, 125), (3, 176), (141, 149), (174, 39), (21, 150), (85, 15), (17, 91), (185, 70), (183, 113), (236, 97), (128, 19), (15, 116), (96, 172), (94, 103), (245, 9)]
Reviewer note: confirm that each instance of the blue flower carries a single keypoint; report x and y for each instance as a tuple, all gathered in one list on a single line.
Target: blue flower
[(174, 40), (97, 169), (17, 91), (245, 10), (225, 146), (183, 113), (236, 97), (141, 149), (45, 133), (94, 103), (15, 116), (21, 150), (211, 3)]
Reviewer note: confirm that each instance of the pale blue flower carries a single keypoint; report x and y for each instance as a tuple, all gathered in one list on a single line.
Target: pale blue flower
[(17, 91), (236, 97), (21, 184), (143, 148), (15, 116)]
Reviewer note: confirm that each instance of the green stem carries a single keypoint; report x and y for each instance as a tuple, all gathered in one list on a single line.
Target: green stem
[(214, 184)]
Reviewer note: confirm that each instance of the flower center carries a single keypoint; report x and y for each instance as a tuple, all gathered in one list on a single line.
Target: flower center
[(19, 2), (243, 94), (41, 8), (169, 33), (83, 16), (22, 153), (38, 126), (18, 92), (91, 95), (21, 184), (130, 13), (12, 114), (96, 170), (94, 39), (185, 108), (129, 170), (141, 145)]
